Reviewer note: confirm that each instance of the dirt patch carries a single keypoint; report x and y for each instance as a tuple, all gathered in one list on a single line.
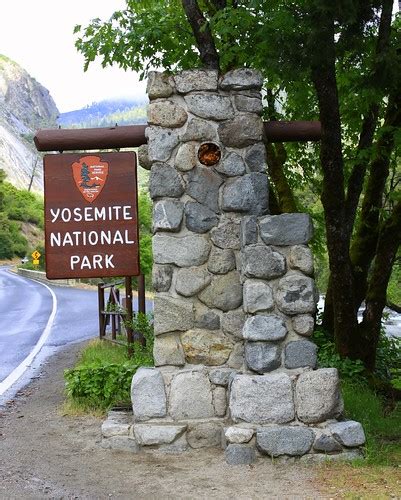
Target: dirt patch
[(33, 233), (346, 481), (44, 454)]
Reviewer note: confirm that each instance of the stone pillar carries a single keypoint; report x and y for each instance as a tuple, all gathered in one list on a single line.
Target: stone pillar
[(235, 296), (198, 208)]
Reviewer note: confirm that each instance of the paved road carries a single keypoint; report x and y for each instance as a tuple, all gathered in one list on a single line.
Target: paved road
[(25, 308)]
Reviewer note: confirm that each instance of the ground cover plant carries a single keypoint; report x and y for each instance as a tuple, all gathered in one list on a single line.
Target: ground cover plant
[(378, 475), (103, 374), (17, 206)]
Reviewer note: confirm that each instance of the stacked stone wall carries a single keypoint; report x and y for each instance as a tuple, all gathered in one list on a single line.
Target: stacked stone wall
[(235, 296), (198, 210)]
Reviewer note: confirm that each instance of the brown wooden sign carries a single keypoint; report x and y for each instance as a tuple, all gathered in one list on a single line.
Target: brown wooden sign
[(91, 215)]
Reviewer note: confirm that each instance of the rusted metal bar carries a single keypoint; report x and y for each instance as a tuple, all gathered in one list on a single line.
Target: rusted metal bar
[(126, 136), (299, 131), (100, 298), (141, 294), (130, 136), (128, 302)]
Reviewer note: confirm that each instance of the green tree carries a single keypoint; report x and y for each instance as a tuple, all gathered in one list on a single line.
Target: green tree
[(336, 61), (85, 177), (145, 233)]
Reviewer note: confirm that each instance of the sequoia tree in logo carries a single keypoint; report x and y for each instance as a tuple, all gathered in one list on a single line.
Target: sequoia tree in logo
[(90, 174)]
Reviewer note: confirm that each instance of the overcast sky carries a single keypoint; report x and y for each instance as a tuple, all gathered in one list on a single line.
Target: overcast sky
[(38, 36)]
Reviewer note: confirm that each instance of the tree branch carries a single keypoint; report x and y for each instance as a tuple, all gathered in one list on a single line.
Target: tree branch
[(389, 241), (276, 157), (355, 182), (202, 34), (364, 243)]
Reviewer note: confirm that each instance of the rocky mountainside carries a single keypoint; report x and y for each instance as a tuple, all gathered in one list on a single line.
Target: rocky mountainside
[(106, 113), (25, 106)]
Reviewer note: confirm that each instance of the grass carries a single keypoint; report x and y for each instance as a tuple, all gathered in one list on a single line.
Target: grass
[(381, 423), (367, 482), (379, 474), (71, 408), (99, 352)]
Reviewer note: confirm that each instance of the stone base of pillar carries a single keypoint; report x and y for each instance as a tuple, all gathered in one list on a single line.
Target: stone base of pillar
[(280, 415)]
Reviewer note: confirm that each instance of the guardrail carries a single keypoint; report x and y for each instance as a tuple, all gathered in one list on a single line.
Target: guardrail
[(41, 276)]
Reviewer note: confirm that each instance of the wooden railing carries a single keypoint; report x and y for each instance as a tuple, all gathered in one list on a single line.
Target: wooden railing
[(118, 312)]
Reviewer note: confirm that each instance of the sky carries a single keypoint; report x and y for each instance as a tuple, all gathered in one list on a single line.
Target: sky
[(38, 35)]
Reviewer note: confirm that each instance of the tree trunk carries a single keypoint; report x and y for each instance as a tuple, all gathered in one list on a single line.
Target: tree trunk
[(355, 182), (333, 197), (274, 208), (276, 157), (328, 313), (203, 35), (363, 248), (369, 124), (387, 246)]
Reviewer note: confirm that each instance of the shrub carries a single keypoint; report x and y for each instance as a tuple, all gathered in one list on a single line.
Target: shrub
[(103, 374), (12, 242), (100, 386), (22, 205), (388, 359), (329, 358)]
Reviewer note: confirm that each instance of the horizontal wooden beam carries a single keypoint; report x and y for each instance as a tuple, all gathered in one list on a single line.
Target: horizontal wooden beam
[(131, 136)]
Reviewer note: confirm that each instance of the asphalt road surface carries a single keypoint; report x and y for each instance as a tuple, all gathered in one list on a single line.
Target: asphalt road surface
[(31, 314)]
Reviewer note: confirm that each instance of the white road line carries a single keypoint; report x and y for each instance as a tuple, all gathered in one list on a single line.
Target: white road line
[(24, 365)]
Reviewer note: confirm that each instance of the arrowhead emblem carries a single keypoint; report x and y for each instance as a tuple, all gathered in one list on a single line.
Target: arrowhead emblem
[(90, 174)]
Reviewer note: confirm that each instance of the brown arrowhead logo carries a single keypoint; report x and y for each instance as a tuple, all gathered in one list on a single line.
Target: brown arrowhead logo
[(90, 174)]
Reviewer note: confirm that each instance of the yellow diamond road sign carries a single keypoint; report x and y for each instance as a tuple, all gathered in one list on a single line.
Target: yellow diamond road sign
[(35, 255)]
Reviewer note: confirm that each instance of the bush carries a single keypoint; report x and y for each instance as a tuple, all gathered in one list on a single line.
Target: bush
[(103, 374), (394, 286), (145, 233), (22, 205), (12, 242), (329, 358), (382, 425), (388, 359), (100, 386)]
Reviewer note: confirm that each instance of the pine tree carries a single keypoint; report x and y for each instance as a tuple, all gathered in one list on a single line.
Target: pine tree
[(85, 175)]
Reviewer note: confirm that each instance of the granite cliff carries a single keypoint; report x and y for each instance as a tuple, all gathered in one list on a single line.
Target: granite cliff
[(25, 106)]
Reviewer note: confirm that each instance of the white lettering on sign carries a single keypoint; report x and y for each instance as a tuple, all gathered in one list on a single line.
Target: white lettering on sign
[(90, 214), (94, 262), (84, 238)]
